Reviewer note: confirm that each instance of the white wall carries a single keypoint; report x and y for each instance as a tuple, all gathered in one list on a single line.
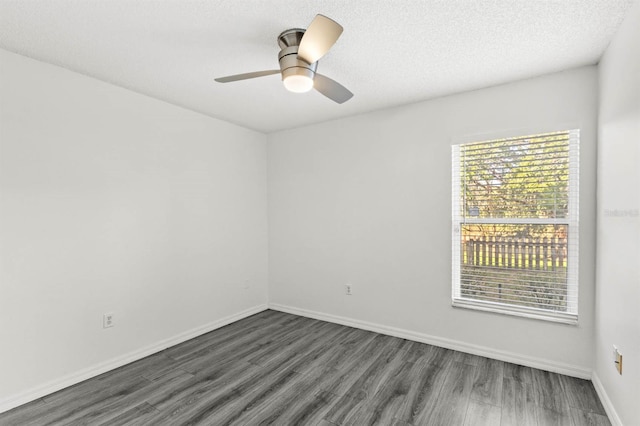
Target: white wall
[(618, 235), (367, 200), (112, 201)]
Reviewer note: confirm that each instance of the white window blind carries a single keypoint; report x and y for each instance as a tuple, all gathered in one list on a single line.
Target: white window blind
[(515, 226)]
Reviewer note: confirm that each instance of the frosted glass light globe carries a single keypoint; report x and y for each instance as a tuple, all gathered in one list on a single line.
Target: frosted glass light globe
[(298, 83)]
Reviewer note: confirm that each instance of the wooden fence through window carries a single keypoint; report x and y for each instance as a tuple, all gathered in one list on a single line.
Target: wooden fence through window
[(517, 253)]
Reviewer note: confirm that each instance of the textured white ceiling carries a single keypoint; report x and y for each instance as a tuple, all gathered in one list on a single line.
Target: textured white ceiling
[(391, 52)]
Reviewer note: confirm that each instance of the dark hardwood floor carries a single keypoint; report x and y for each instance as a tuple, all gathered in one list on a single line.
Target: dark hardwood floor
[(276, 368)]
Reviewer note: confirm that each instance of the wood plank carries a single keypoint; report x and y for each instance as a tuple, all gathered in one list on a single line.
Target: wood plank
[(310, 413), (241, 349), (465, 358), (152, 367), (132, 416), (482, 414), (257, 399), (79, 402), (414, 350), (450, 406), (225, 403), (435, 355), (361, 344), (548, 391), (294, 405), (398, 422), (346, 375), (312, 347), (220, 378), (299, 341), (384, 407), (124, 407), (582, 395), (118, 403), (440, 357), (548, 417), (346, 407), (487, 382), (325, 423), (423, 393), (583, 418), (99, 386), (518, 373), (384, 367), (344, 355), (23, 414), (518, 404)]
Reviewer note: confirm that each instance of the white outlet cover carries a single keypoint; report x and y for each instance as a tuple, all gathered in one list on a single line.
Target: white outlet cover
[(107, 320)]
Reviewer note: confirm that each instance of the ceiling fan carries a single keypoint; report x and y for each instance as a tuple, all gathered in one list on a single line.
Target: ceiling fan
[(300, 51)]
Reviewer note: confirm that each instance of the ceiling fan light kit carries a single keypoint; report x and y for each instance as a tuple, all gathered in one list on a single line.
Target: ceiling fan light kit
[(297, 74), (298, 83), (298, 58)]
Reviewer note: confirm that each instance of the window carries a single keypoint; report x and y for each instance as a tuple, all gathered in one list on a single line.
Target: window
[(515, 226)]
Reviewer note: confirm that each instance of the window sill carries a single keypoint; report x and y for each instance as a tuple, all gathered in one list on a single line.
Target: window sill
[(538, 314)]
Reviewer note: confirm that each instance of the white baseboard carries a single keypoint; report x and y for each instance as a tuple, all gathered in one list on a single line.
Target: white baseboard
[(606, 402), (542, 364), (87, 373)]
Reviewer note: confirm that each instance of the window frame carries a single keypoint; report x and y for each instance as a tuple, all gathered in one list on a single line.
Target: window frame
[(570, 316)]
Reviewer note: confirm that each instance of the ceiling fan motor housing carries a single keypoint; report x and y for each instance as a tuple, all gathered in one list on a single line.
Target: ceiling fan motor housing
[(290, 63)]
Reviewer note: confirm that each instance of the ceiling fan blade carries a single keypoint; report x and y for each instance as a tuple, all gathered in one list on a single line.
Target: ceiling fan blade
[(245, 76), (318, 38), (331, 89)]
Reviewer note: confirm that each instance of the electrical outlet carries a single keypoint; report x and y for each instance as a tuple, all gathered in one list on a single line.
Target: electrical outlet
[(108, 320), (617, 359), (347, 289)]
